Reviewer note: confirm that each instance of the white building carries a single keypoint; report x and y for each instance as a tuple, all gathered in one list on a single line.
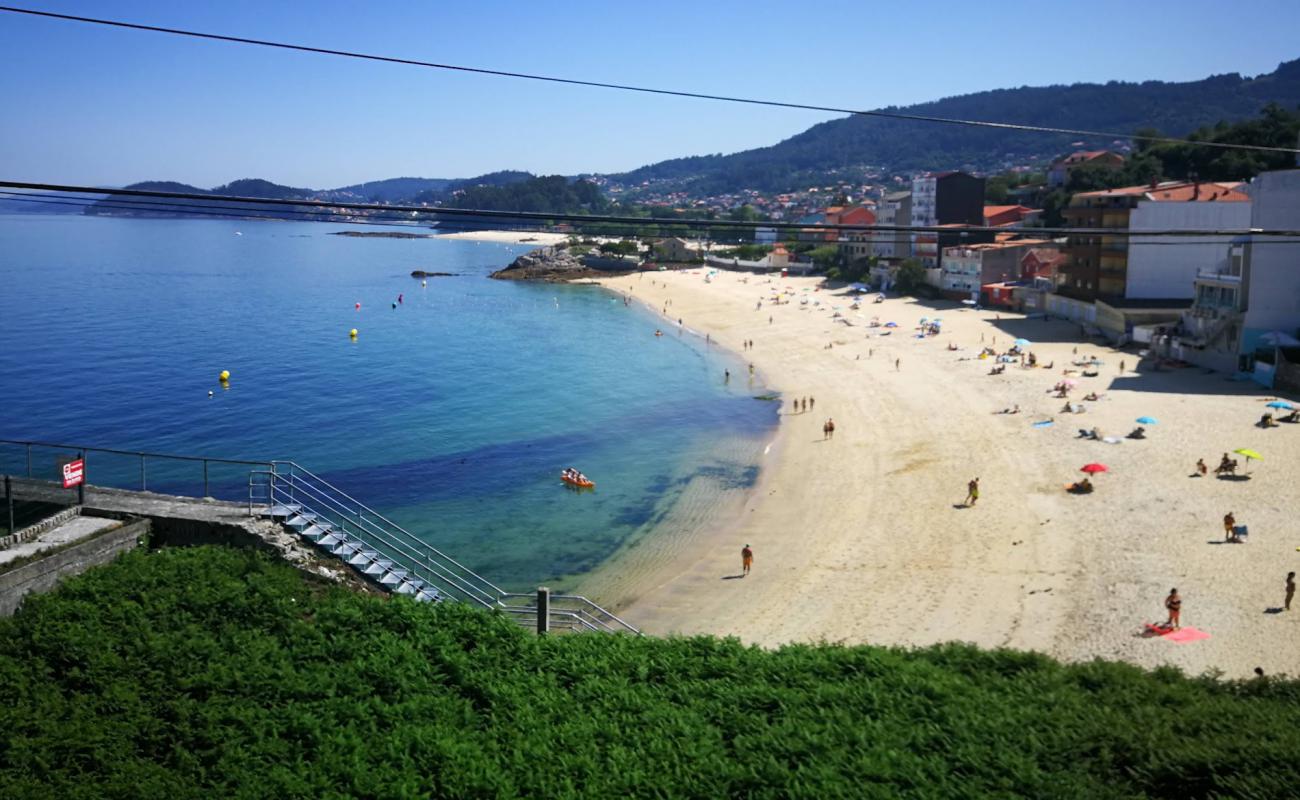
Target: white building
[(1166, 266), (894, 208), (1247, 306)]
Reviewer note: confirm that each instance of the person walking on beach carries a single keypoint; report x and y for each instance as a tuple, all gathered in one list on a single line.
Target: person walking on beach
[(972, 492), (1121, 367), (897, 363), (1201, 469), (1228, 522), (812, 403), (746, 560), (1290, 591), (1174, 604)]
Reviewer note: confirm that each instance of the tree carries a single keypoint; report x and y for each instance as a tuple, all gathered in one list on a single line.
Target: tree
[(995, 190), (825, 257), (910, 277)]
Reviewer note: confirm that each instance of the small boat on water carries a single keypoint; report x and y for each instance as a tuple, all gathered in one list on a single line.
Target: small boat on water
[(575, 478)]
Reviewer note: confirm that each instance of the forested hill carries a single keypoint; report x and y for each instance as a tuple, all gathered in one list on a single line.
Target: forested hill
[(854, 143)]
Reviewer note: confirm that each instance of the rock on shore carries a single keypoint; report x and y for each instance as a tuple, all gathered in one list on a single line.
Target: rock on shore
[(552, 265)]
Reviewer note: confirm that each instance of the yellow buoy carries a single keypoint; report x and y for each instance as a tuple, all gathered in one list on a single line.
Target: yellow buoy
[(225, 375), (353, 333)]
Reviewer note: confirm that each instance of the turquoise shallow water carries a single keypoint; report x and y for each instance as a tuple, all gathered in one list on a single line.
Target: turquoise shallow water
[(452, 414)]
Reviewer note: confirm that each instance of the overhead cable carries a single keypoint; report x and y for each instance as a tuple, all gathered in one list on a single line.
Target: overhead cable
[(589, 219)]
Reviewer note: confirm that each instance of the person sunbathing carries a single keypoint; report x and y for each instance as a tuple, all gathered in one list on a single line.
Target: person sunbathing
[(1267, 421), (1092, 397), (1080, 487), (1138, 433), (1294, 416)]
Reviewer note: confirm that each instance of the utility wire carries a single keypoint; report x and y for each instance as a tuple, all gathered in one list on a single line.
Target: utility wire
[(639, 222), (405, 222), (897, 115)]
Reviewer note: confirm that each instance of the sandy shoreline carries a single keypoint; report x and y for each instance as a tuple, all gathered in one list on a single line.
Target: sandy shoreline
[(537, 238), (862, 538)]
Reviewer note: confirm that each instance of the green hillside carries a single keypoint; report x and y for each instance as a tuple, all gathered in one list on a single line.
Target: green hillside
[(220, 673), (854, 143)]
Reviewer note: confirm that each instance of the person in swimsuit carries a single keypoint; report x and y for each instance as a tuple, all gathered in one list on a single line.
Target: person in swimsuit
[(1174, 604), (1228, 522), (972, 492), (746, 560), (1290, 590)]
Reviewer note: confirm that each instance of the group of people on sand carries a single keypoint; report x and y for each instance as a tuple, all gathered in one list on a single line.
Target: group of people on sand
[(1227, 466), (804, 404)]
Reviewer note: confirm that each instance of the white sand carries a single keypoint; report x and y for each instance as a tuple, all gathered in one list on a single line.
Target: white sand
[(859, 539), (508, 237)]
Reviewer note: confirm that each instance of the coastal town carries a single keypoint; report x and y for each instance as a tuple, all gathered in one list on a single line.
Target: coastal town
[(447, 401)]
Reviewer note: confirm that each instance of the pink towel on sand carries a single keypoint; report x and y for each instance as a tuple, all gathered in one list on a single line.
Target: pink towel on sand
[(1185, 635)]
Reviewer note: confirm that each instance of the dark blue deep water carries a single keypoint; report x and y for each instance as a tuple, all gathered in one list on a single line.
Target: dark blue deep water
[(451, 414)]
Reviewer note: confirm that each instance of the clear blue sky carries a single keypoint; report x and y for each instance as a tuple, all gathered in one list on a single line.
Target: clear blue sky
[(88, 104)]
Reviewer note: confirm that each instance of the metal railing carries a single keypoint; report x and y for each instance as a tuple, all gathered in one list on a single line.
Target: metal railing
[(143, 456), (292, 487), (287, 484)]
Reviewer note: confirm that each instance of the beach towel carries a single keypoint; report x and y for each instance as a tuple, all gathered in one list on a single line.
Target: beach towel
[(1112, 440), (1044, 424), (1181, 636)]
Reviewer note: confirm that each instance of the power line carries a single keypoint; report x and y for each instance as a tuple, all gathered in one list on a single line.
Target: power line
[(405, 222), (896, 115), (459, 214)]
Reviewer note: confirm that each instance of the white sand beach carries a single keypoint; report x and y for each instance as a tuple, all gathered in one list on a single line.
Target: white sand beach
[(538, 238), (863, 538)]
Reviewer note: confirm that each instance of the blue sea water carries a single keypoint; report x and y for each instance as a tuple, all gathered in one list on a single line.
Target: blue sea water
[(452, 414)]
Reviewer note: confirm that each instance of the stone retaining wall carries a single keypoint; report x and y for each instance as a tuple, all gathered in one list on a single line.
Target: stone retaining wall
[(32, 531), (46, 573)]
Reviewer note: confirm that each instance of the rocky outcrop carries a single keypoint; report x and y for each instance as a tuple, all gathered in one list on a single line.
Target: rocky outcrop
[(548, 264)]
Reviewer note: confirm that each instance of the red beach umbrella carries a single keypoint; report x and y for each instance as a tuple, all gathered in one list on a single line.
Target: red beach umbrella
[(1093, 469)]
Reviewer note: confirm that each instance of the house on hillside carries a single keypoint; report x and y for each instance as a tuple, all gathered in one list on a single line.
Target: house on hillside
[(1059, 173), (1016, 216)]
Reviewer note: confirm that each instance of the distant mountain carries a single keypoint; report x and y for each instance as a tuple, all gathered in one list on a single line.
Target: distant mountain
[(493, 179), (852, 146), (246, 187), (393, 190)]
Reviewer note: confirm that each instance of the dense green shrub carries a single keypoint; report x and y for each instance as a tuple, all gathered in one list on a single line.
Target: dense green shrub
[(214, 673)]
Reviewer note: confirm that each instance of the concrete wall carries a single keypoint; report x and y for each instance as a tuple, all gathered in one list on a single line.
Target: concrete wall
[(1165, 267), (46, 573), (1273, 293)]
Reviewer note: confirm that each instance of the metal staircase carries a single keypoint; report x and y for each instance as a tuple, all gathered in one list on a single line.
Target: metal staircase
[(393, 558)]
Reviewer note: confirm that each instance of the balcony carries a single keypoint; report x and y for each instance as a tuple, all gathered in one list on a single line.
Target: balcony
[(1222, 275)]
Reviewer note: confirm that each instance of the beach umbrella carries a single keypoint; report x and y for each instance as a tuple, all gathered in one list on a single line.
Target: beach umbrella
[(1249, 454), (1148, 421), (1022, 343), (1281, 404), (1093, 469)]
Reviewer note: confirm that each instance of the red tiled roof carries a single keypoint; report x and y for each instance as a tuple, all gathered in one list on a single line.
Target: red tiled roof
[(1175, 191)]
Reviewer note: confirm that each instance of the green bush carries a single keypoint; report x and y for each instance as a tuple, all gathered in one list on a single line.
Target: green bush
[(216, 673)]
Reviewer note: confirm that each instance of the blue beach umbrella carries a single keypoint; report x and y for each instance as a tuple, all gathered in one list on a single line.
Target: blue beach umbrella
[(1281, 404), (1147, 420), (1022, 343)]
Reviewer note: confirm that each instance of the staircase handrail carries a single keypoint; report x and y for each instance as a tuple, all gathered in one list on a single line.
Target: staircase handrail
[(413, 551), (376, 515)]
